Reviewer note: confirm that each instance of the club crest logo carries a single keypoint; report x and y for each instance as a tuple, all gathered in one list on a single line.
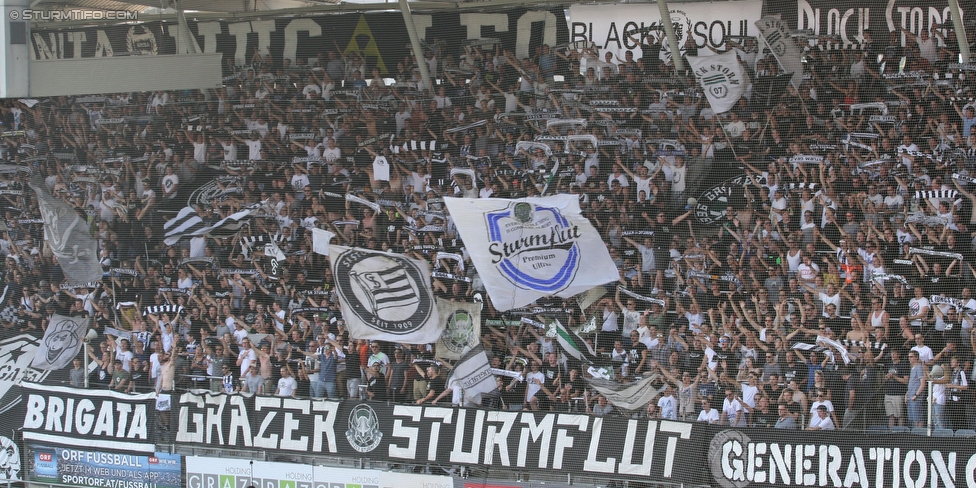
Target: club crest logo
[(364, 433), (534, 247), (459, 334), (384, 290), (9, 459)]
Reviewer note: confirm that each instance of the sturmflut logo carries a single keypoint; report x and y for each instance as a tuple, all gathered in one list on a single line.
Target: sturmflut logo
[(534, 247)]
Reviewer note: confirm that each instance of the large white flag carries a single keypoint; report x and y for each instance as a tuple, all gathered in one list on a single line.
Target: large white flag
[(722, 78), (385, 296), (61, 343), (530, 248), (777, 37), (67, 234)]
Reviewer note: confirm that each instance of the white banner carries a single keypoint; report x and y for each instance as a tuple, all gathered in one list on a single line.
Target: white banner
[(777, 37), (473, 375), (462, 328), (710, 23), (530, 248), (385, 296), (207, 472), (61, 343), (722, 79)]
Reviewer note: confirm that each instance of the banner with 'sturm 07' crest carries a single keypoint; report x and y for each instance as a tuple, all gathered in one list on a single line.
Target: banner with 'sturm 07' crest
[(532, 247)]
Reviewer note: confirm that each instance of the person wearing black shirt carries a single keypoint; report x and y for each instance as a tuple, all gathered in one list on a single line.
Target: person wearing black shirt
[(662, 243), (762, 416), (693, 358), (792, 370), (375, 383), (514, 393), (436, 386)]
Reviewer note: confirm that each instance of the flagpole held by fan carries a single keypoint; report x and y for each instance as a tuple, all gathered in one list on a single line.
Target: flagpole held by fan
[(90, 336)]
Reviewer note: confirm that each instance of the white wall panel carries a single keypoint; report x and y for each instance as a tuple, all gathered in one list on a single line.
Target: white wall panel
[(124, 74)]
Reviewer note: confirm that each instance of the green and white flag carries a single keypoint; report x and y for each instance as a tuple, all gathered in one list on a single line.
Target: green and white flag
[(777, 37), (571, 343), (722, 79)]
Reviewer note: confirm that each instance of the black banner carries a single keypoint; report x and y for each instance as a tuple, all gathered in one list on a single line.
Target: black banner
[(101, 419), (651, 450), (847, 19), (743, 458), (381, 37)]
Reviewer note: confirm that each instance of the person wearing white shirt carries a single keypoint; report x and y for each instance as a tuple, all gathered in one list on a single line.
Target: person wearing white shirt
[(925, 354), (668, 404), (821, 421), (820, 400), (246, 356), (708, 414), (287, 386), (253, 144), (749, 391), (906, 147), (229, 149), (331, 153), (299, 181), (402, 116), (170, 184), (918, 309), (733, 414)]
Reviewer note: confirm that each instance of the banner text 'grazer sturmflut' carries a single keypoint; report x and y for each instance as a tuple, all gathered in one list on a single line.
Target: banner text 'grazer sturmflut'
[(648, 450), (406, 433)]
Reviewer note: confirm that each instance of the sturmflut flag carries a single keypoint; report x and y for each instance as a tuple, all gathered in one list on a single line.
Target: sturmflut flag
[(61, 343), (777, 37), (385, 296), (462, 328), (67, 234), (722, 79), (530, 248), (474, 376)]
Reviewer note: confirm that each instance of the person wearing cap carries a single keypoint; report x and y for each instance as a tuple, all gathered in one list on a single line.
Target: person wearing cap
[(120, 377)]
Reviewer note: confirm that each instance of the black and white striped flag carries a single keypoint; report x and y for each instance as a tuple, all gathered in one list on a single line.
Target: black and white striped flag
[(937, 194), (414, 145), (160, 309)]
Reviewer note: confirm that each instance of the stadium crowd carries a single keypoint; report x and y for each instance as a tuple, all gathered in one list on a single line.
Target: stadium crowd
[(819, 292)]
